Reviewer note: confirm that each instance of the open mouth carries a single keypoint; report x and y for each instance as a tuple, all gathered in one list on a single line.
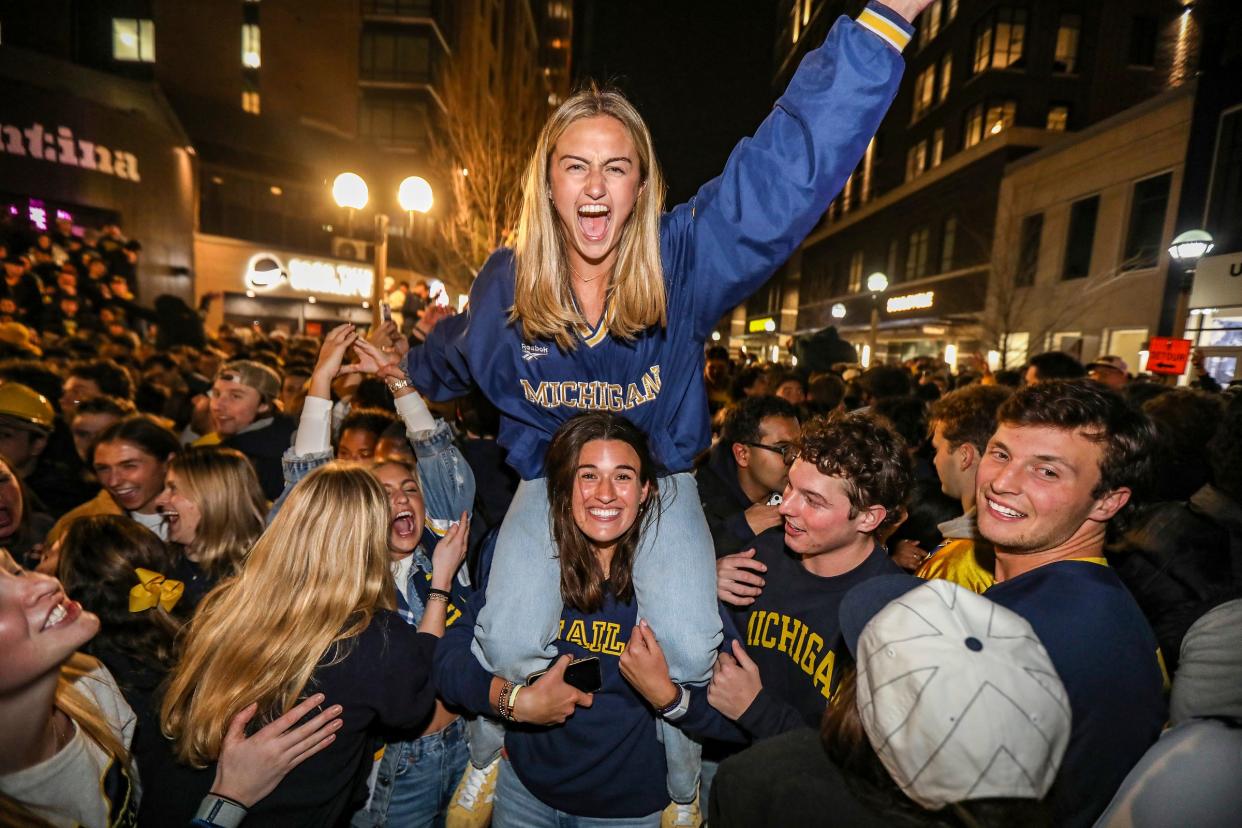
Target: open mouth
[(1003, 512), (66, 612), (125, 495), (593, 221), (170, 516), (403, 524), (793, 530), (604, 515)]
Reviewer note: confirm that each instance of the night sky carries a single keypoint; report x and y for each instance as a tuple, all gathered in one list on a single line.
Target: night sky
[(699, 71)]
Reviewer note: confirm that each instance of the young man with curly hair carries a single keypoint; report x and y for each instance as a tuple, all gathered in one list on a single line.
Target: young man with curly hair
[(847, 485)]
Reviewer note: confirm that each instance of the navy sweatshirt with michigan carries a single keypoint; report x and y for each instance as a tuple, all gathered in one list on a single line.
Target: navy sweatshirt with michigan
[(716, 249)]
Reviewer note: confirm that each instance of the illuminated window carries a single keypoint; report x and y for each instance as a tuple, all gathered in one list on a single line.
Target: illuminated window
[(1058, 118), (133, 39), (984, 121), (946, 75), (796, 16), (1000, 39), (250, 101), (950, 11), (937, 152), (929, 23), (806, 11), (916, 160), (1066, 58), (924, 91), (251, 51)]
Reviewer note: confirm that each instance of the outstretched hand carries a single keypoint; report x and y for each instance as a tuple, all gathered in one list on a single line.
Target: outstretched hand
[(450, 551), (250, 767)]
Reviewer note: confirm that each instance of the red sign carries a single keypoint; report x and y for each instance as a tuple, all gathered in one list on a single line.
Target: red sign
[(1166, 355)]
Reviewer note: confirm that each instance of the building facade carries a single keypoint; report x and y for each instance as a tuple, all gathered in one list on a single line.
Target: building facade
[(986, 84), (268, 102), (1082, 235)]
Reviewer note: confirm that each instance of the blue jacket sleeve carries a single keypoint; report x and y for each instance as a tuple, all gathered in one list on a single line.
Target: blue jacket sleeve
[(741, 226), (440, 367), (701, 719)]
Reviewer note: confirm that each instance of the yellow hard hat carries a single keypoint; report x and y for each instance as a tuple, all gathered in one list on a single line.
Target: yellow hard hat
[(23, 403)]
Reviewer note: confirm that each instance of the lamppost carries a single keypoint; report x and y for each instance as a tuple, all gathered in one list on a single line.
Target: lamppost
[(877, 283), (413, 194), (1187, 249)]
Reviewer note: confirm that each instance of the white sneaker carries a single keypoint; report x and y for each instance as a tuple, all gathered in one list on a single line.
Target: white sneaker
[(471, 806)]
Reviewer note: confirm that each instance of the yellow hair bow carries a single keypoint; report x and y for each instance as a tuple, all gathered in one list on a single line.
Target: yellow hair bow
[(153, 588)]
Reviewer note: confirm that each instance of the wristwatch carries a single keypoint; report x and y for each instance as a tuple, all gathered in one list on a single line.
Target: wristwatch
[(679, 707), (220, 811)]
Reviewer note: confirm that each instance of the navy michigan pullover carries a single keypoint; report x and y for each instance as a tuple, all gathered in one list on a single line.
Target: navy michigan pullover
[(716, 250)]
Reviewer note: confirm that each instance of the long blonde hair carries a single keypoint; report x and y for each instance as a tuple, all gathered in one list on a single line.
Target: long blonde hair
[(231, 503), (543, 300), (309, 586)]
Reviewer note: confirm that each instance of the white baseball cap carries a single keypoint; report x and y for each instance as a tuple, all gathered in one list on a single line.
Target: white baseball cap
[(956, 693)]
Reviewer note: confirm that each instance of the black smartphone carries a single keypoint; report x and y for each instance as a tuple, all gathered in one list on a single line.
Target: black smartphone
[(582, 673)]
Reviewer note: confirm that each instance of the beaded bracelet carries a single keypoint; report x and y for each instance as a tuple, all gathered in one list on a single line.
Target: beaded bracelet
[(502, 702), (434, 594)]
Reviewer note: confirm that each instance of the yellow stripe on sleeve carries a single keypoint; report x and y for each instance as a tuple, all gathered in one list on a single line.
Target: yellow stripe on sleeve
[(893, 34)]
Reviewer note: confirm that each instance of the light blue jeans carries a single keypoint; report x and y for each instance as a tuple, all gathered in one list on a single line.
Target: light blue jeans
[(674, 581), (416, 780), (517, 807)]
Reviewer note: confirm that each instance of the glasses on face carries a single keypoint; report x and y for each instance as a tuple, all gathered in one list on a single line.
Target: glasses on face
[(787, 452)]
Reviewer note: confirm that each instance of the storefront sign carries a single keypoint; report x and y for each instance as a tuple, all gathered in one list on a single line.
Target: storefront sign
[(767, 324), (1168, 356), (265, 272), (60, 147), (1218, 282), (911, 301)]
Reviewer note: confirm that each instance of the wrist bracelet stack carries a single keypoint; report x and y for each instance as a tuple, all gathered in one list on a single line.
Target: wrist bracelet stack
[(434, 594), (504, 704)]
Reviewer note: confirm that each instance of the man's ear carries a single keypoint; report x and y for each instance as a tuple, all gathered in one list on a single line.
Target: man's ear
[(38, 442), (1110, 504), (869, 519), (967, 456), (741, 455)]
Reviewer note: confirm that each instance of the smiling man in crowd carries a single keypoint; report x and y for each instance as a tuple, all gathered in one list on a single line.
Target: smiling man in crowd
[(1067, 457), (245, 417)]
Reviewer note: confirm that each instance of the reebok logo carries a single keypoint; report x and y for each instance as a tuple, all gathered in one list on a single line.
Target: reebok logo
[(533, 352)]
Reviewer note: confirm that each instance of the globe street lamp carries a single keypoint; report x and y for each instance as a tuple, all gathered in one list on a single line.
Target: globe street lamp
[(877, 283), (1187, 249), (838, 311), (413, 194)]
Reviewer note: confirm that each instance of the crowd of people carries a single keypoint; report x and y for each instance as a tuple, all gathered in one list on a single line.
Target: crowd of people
[(554, 562)]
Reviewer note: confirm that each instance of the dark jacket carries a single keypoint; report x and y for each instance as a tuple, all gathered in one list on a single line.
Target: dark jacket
[(264, 447), (1179, 560), (724, 502)]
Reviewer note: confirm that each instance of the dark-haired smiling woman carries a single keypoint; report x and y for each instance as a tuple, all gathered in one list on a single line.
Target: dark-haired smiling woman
[(574, 758)]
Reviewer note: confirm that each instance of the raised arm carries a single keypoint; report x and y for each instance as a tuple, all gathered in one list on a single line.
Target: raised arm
[(744, 224)]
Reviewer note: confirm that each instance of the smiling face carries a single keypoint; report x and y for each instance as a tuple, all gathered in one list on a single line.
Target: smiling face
[(180, 510), (406, 501), (133, 477), (1034, 488), (595, 180), (607, 490), (819, 518), (39, 626), (234, 406)]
